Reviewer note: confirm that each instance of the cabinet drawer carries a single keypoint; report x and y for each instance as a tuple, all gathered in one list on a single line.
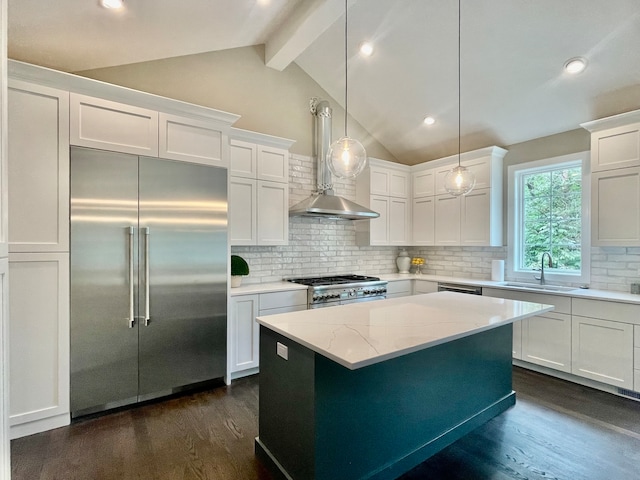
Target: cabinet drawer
[(274, 311), (562, 304), (283, 299), (618, 312), (113, 126)]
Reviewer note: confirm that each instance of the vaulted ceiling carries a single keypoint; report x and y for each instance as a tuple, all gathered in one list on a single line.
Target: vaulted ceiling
[(512, 53)]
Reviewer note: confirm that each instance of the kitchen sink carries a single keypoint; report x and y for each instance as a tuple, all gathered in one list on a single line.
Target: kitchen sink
[(537, 286)]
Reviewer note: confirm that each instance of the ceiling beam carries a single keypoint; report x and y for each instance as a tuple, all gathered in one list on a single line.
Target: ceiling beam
[(307, 22)]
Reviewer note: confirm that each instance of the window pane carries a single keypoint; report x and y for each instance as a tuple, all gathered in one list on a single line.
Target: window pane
[(551, 217), (536, 185)]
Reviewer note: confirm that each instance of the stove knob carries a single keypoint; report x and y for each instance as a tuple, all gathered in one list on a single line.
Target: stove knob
[(335, 295)]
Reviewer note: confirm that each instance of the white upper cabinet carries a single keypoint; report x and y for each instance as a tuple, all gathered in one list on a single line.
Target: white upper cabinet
[(38, 168), (258, 189), (107, 125), (273, 164), (385, 187), (423, 221), (615, 180), (474, 219), (615, 141), (190, 140), (244, 159), (424, 183)]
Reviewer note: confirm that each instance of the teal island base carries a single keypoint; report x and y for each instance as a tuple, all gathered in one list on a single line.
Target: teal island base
[(322, 421)]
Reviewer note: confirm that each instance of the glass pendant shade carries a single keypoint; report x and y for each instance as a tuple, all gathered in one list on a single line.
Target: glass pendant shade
[(459, 181), (346, 157)]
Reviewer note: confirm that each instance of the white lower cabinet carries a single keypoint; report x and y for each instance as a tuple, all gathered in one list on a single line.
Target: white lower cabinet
[(39, 342), (636, 358), (603, 341), (424, 286), (244, 333), (244, 337), (399, 288), (544, 339)]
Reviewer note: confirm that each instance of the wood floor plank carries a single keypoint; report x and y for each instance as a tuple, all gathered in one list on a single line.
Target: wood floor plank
[(557, 430)]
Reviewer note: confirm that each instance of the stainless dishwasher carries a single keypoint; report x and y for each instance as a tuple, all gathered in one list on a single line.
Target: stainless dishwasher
[(460, 288)]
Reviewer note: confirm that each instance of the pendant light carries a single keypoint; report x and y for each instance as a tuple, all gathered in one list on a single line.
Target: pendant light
[(459, 180), (346, 157)]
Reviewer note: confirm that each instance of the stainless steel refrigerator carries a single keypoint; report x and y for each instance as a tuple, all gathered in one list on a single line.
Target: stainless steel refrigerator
[(148, 277)]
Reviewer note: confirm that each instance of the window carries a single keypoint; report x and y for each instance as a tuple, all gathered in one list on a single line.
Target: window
[(548, 212)]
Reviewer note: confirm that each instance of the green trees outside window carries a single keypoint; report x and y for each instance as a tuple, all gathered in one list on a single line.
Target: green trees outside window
[(552, 217)]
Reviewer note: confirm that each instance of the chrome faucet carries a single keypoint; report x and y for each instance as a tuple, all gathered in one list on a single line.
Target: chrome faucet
[(541, 277)]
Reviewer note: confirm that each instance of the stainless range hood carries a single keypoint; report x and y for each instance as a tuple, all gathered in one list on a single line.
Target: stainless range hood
[(324, 203)]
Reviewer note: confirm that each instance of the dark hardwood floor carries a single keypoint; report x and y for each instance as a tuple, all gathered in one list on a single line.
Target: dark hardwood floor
[(557, 430)]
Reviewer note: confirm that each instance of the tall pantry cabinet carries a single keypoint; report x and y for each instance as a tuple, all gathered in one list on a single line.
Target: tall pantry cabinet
[(38, 172)]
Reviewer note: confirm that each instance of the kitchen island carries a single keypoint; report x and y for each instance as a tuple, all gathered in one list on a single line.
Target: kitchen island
[(370, 390)]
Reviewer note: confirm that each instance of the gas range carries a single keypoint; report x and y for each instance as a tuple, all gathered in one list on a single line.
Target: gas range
[(334, 290)]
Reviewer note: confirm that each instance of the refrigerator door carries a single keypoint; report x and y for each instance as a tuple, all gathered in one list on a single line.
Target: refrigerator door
[(183, 255), (104, 340)]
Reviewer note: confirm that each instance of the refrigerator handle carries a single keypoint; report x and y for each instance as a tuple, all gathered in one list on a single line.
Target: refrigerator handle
[(147, 319), (132, 319)]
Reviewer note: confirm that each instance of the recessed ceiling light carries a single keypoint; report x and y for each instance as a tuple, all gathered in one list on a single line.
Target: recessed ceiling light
[(429, 120), (366, 49), (575, 65), (112, 4)]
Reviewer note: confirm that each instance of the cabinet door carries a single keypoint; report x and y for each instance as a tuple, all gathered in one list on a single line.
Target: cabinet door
[(378, 181), (546, 340), (603, 351), (424, 286), (379, 227), (39, 341), (273, 213), (423, 221), (244, 333), (398, 184), (424, 183), (447, 220), (615, 206), (475, 218), (190, 140), (615, 148), (243, 223), (517, 340), (273, 164), (38, 169), (243, 158), (400, 288), (399, 221), (113, 126), (440, 172), (481, 169)]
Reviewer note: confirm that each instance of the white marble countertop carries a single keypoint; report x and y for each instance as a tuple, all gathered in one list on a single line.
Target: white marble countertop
[(593, 294), (362, 334)]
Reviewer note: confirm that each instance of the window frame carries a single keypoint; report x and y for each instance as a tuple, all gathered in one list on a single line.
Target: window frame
[(514, 216)]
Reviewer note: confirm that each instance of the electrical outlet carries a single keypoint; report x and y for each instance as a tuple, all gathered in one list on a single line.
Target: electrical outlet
[(282, 350)]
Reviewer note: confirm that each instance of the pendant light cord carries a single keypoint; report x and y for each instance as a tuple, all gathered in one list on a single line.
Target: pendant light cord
[(459, 85), (346, 77)]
